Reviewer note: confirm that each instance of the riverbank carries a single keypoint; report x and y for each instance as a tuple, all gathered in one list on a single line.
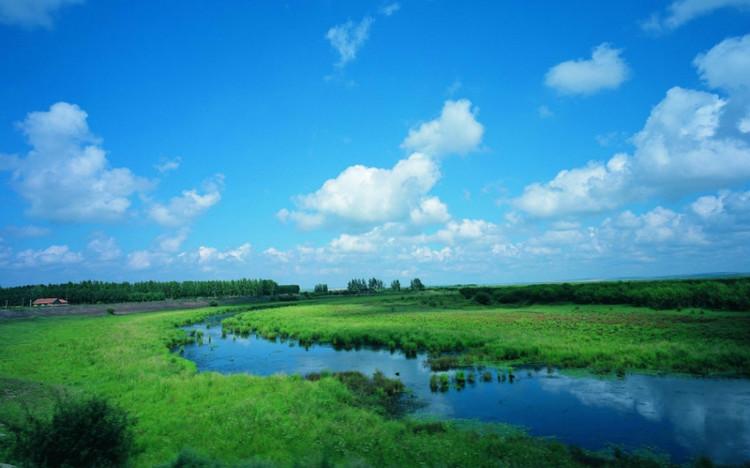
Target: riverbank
[(280, 419)]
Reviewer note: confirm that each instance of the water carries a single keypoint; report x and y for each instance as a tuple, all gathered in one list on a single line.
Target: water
[(681, 416)]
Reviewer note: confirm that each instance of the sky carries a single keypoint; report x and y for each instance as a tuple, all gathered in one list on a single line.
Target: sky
[(313, 142)]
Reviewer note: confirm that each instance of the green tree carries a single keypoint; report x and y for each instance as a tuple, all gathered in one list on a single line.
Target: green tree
[(416, 285), (396, 285)]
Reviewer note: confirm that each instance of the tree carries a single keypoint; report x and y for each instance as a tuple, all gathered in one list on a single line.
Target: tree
[(357, 286), (416, 285), (396, 285), (375, 284), (321, 288)]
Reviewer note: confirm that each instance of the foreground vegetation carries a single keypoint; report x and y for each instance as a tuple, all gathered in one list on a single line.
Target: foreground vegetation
[(183, 418), (454, 330), (281, 420)]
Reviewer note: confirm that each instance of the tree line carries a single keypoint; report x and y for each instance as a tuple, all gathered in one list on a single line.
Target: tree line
[(92, 292), (363, 286), (725, 293)]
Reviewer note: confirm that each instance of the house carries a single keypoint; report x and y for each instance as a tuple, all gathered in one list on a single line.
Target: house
[(49, 301)]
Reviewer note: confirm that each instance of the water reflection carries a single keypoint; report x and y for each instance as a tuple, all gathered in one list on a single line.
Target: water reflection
[(684, 417)]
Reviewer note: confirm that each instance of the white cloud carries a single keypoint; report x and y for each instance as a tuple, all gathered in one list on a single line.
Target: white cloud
[(66, 176), (207, 255), (349, 243), (604, 70), (727, 64), (348, 38), (390, 9), (184, 208), (430, 211), (426, 254), (172, 243), (679, 150), (140, 259), (27, 231), (31, 13), (367, 195), (468, 229), (683, 11), (456, 131), (277, 255), (105, 248), (166, 165), (52, 255), (594, 187)]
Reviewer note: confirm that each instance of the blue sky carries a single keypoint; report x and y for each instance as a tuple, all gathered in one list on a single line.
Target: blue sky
[(315, 141)]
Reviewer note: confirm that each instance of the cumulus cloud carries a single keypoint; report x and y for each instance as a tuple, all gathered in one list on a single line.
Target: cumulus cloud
[(105, 248), (182, 209), (66, 176), (349, 243), (348, 38), (456, 131), (680, 12), (32, 13), (430, 211), (467, 229), (679, 150), (210, 255), (727, 64), (363, 195), (594, 187), (606, 69), (52, 255)]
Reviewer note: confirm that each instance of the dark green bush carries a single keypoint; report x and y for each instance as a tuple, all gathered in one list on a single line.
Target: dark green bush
[(88, 432), (483, 298)]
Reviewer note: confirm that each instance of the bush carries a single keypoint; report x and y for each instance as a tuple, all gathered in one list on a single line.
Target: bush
[(483, 298), (111, 311), (89, 432), (213, 304)]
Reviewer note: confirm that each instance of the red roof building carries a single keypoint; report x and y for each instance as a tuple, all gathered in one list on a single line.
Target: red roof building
[(49, 301)]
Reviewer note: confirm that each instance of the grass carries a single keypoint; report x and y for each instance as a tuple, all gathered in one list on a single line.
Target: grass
[(286, 420), (458, 332), (282, 420)]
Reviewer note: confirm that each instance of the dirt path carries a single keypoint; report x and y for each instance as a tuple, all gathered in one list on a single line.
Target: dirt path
[(119, 309)]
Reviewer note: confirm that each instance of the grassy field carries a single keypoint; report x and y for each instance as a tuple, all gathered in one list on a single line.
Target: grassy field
[(594, 337), (288, 420)]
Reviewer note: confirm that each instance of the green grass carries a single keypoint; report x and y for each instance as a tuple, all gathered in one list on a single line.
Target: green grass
[(594, 337), (287, 420), (284, 420)]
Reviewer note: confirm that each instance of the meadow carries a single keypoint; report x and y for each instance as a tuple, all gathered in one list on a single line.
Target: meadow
[(600, 338), (290, 420)]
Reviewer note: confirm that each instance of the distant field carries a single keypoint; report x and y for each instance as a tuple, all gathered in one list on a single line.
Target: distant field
[(288, 420)]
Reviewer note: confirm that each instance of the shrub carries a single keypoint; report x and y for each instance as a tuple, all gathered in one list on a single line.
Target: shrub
[(110, 311), (88, 432), (213, 304), (483, 298)]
